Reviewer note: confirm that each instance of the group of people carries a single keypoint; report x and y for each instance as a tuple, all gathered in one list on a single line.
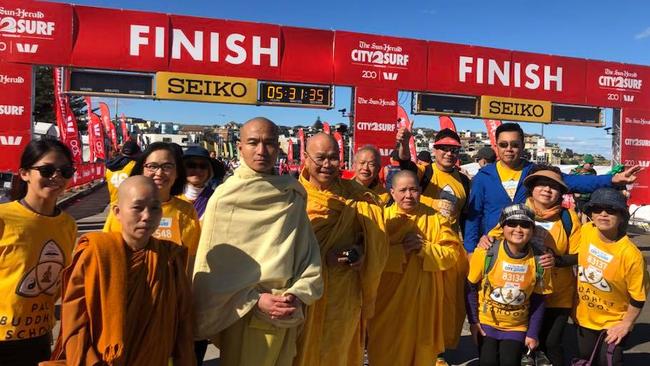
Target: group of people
[(317, 270)]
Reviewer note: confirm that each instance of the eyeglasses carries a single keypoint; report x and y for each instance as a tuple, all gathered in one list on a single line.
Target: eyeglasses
[(193, 165), (320, 160), (447, 148), (600, 209), (48, 170), (512, 144), (521, 223), (153, 167)]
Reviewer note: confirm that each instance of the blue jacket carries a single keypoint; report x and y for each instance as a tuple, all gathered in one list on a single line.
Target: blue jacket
[(487, 198)]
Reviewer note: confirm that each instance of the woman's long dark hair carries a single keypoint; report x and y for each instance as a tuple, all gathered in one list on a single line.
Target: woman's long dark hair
[(34, 151), (177, 153)]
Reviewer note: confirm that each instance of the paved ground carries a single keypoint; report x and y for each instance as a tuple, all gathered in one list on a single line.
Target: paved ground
[(90, 212)]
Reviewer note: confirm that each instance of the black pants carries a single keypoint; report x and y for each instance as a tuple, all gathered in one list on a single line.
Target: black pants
[(587, 339), (550, 336), (200, 349), (493, 352), (26, 352)]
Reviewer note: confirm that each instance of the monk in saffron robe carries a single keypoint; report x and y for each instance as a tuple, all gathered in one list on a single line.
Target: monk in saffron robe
[(367, 165), (258, 261), (126, 297), (353, 246), (407, 328)]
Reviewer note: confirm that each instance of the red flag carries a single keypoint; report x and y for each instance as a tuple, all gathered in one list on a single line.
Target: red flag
[(290, 151), (301, 140), (491, 125), (403, 121), (447, 122), (91, 136), (65, 119), (97, 131), (108, 124), (326, 128), (125, 130), (339, 140)]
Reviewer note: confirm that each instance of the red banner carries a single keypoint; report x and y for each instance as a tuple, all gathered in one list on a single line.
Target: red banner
[(339, 140), (491, 125), (125, 130), (375, 121), (326, 128), (301, 141), (447, 122), (635, 150), (109, 127), (289, 151), (15, 113), (35, 32), (379, 61), (618, 85), (95, 128), (307, 55), (65, 119)]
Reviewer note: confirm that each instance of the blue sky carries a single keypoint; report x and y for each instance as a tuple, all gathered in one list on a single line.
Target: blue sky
[(596, 29)]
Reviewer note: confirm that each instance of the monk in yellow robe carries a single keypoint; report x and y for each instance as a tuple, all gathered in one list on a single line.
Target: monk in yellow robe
[(258, 261), (353, 246), (407, 328), (126, 297), (366, 165), (445, 189)]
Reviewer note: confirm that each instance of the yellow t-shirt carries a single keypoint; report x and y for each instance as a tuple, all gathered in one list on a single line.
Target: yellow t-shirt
[(553, 235), (179, 224), (115, 178), (34, 249), (509, 178), (445, 193), (504, 302), (609, 276)]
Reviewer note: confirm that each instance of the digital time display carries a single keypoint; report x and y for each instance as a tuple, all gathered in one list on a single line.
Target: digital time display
[(296, 95)]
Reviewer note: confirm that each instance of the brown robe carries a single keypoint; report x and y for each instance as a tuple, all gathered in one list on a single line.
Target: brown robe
[(124, 307)]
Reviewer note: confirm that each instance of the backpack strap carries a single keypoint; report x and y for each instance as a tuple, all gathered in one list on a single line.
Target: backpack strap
[(426, 178), (567, 222), (491, 258)]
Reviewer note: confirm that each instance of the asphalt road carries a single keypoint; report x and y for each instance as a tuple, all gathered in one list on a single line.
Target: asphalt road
[(90, 212)]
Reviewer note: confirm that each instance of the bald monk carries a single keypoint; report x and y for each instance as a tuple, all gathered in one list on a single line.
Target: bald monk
[(126, 297), (407, 328), (353, 247), (258, 262), (366, 166)]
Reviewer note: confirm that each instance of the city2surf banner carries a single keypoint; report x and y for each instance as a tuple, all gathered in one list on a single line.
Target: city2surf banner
[(375, 119), (635, 150), (15, 113)]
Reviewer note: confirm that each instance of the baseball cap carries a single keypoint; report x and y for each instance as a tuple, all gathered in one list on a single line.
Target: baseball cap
[(607, 197), (519, 212), (447, 136), (588, 159)]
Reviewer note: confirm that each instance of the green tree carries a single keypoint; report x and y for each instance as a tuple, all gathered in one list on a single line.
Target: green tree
[(44, 100)]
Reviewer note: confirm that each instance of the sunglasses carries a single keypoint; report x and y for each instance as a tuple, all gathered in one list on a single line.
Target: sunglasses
[(447, 148), (512, 144), (523, 224), (48, 170), (193, 165), (600, 209)]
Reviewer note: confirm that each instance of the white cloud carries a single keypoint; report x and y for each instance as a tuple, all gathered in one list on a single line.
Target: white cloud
[(644, 34)]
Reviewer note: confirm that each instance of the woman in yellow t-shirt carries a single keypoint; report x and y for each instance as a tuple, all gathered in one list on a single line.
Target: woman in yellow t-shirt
[(163, 162), (36, 242), (505, 292), (612, 279)]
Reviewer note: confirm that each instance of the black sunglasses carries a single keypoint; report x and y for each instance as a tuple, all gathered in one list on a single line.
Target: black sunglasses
[(193, 165), (521, 223), (512, 144), (599, 209), (48, 170), (447, 148)]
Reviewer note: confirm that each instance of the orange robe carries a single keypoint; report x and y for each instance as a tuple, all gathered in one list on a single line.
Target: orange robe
[(122, 307), (334, 329)]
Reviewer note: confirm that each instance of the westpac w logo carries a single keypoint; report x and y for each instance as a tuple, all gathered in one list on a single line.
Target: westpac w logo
[(390, 75), (11, 140), (628, 98), (27, 47)]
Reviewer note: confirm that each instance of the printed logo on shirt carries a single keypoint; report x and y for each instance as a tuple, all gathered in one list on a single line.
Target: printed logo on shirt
[(45, 276), (165, 222), (594, 277), (514, 268), (508, 295), (511, 187), (602, 255)]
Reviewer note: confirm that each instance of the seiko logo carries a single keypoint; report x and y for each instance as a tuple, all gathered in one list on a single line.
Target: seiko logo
[(12, 110), (379, 54), (374, 126), (206, 87), (26, 47), (11, 140), (4, 79), (516, 109), (620, 80), (507, 73), (201, 46), (390, 75), (381, 102)]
